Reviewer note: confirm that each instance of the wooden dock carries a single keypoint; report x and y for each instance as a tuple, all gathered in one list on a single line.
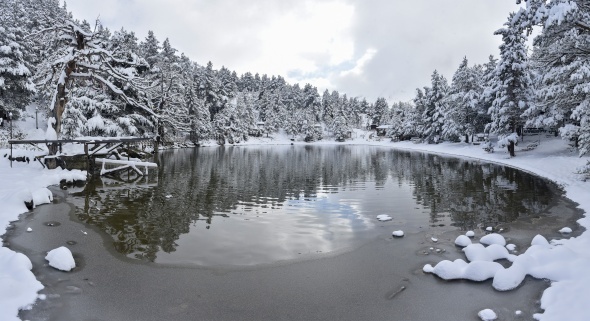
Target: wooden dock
[(102, 150)]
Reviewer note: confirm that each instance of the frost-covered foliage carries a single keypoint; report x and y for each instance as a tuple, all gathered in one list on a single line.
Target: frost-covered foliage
[(16, 86), (87, 88), (511, 89), (435, 105), (562, 62), (505, 140), (463, 103), (97, 82)]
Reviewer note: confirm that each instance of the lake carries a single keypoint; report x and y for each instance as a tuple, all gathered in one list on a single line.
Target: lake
[(287, 232), (259, 205)]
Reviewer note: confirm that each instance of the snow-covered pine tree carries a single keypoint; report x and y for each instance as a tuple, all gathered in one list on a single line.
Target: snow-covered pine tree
[(380, 109), (487, 82), (210, 89), (462, 103), (167, 92), (399, 116), (561, 61), (328, 106), (247, 116), (16, 87), (198, 118), (312, 102), (415, 124), (512, 88), (433, 115), (149, 49), (275, 113)]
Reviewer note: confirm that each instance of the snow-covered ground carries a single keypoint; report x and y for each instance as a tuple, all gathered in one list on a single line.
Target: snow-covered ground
[(565, 261)]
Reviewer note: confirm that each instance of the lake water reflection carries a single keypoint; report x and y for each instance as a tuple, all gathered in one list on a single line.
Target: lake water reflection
[(262, 204)]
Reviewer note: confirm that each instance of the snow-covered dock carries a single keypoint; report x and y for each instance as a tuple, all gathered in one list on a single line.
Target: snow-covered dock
[(104, 150)]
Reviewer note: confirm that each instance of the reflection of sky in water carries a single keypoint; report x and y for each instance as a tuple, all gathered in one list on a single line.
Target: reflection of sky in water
[(326, 222)]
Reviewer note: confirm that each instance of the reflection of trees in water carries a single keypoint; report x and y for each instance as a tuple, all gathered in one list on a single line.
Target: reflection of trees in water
[(471, 193), (209, 182)]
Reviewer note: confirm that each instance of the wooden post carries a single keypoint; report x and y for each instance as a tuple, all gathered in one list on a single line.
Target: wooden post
[(157, 144), (87, 159)]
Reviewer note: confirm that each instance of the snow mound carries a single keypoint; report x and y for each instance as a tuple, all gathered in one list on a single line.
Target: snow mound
[(511, 247), (459, 269), (61, 259), (42, 196), (487, 315), (470, 234), (477, 252), (50, 134), (398, 233), (540, 240), (18, 285), (462, 240), (493, 238), (384, 217), (565, 230)]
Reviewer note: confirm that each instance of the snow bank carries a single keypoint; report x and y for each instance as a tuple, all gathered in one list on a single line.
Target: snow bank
[(61, 259), (18, 286), (23, 182)]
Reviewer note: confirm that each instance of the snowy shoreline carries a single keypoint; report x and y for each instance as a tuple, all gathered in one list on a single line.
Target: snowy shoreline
[(550, 160)]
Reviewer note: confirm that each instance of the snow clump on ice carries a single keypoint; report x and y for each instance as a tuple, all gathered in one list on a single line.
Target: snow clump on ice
[(61, 259), (493, 238), (462, 240), (487, 315), (477, 252), (565, 230), (398, 233), (383, 217), (470, 234)]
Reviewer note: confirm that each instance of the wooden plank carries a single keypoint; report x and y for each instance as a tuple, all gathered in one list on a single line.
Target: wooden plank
[(124, 162)]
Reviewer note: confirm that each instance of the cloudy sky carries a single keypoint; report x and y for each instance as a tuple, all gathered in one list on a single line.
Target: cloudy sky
[(367, 48)]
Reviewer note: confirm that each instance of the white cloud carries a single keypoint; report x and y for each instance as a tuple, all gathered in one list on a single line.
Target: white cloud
[(359, 67), (378, 48)]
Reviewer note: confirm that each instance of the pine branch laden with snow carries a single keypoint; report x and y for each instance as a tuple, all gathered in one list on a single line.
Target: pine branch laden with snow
[(561, 61), (16, 87), (82, 61), (511, 90)]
